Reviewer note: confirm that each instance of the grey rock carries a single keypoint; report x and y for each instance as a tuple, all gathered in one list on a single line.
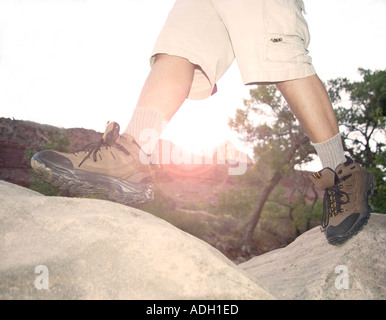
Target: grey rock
[(310, 268), (94, 249), (67, 248)]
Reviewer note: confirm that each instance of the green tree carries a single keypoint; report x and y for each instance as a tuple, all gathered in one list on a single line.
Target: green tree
[(237, 202), (361, 111), (279, 144)]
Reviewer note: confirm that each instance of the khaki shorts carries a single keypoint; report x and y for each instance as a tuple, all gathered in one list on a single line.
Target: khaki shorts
[(268, 39)]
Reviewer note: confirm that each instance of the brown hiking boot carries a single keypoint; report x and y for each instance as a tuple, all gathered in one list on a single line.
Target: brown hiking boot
[(109, 169), (345, 205)]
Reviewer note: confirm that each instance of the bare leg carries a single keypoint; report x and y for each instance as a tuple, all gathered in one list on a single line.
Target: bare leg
[(166, 88), (309, 101), (167, 85)]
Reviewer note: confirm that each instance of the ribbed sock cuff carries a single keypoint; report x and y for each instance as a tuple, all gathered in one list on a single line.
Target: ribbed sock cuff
[(331, 152), (146, 126)]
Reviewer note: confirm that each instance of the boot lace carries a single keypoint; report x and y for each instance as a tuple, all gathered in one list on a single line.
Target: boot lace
[(333, 200), (93, 148)]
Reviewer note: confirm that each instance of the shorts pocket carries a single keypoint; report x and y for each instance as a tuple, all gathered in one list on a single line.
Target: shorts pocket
[(285, 48), (279, 17)]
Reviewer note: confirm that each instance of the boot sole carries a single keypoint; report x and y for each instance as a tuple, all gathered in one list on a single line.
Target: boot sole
[(83, 183), (363, 217)]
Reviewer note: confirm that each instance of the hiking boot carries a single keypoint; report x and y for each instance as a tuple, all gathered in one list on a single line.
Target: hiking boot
[(110, 169), (345, 205)]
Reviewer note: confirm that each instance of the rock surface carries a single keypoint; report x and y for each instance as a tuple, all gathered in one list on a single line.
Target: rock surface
[(310, 268), (94, 249)]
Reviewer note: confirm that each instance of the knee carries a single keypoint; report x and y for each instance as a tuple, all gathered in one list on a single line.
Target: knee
[(174, 69)]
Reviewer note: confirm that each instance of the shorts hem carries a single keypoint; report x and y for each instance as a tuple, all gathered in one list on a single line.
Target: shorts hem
[(199, 91), (278, 76)]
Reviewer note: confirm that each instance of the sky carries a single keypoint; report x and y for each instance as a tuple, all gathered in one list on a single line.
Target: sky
[(81, 63)]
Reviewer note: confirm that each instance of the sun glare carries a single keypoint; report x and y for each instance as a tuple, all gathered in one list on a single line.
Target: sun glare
[(198, 127)]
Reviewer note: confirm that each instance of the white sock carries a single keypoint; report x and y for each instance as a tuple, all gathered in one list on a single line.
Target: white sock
[(146, 126), (331, 152)]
